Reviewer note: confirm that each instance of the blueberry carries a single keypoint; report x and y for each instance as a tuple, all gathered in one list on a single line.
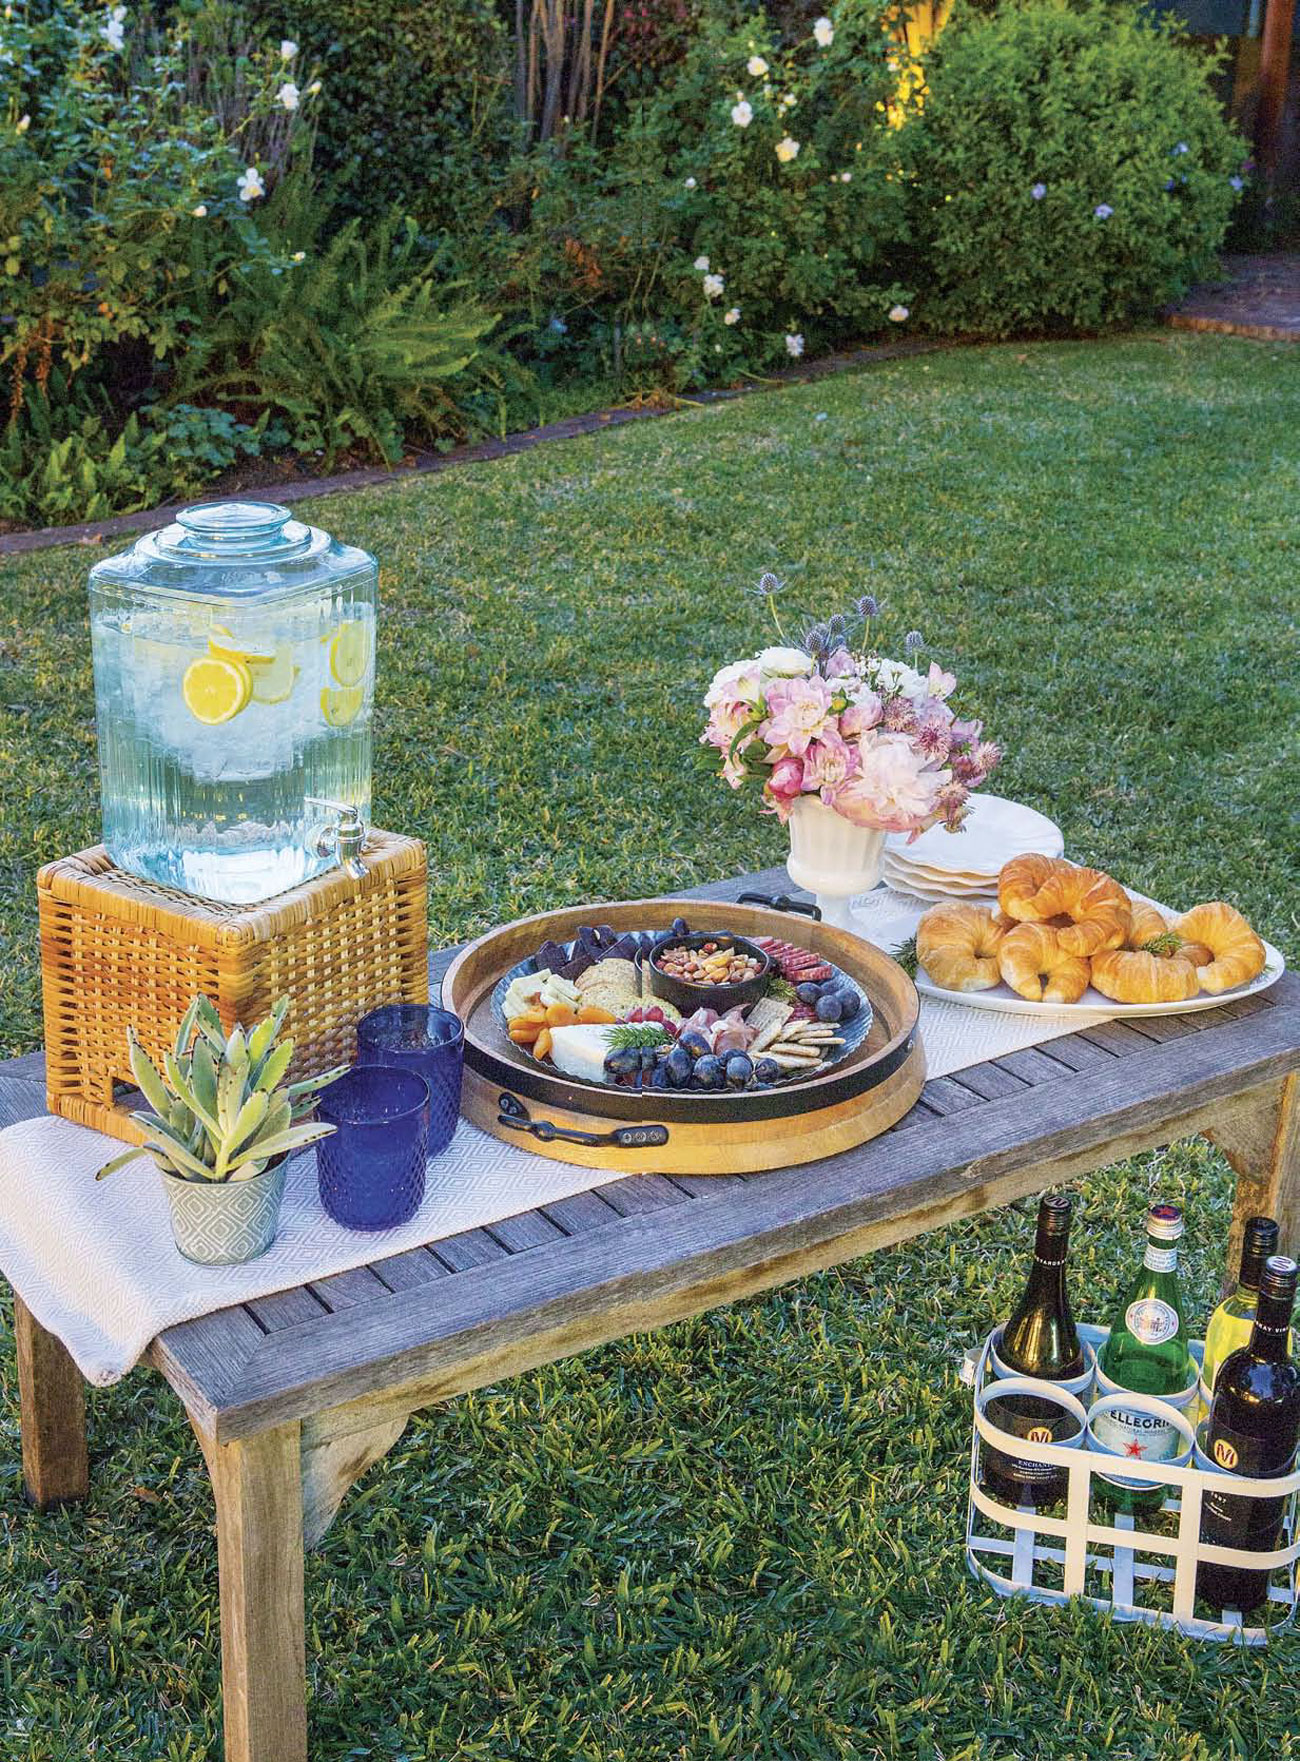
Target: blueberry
[(808, 992), (710, 1072), (740, 1068), (678, 1065), (850, 1002), (767, 1071), (694, 1043), (830, 1008)]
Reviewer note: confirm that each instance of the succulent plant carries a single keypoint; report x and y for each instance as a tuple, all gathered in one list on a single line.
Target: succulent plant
[(220, 1109)]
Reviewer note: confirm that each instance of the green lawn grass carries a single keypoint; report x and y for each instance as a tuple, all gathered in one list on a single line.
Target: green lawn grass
[(743, 1535)]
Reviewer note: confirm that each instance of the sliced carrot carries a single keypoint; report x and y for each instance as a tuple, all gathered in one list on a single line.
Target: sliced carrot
[(561, 1015), (542, 1044), (592, 1012)]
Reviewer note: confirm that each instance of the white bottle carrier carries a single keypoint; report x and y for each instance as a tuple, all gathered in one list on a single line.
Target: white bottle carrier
[(1140, 1567)]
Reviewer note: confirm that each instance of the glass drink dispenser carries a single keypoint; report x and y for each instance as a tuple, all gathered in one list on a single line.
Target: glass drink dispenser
[(234, 661)]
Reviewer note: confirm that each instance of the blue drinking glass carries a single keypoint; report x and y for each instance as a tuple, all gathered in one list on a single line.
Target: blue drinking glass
[(370, 1170), (418, 1037)]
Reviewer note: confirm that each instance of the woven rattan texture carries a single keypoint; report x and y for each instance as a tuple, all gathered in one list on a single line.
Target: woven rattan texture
[(117, 951)]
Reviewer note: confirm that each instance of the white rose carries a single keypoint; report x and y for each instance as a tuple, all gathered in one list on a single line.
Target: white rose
[(756, 66), (702, 264), (785, 663), (742, 114), (824, 32), (713, 285), (732, 317), (288, 95), (288, 49), (787, 150)]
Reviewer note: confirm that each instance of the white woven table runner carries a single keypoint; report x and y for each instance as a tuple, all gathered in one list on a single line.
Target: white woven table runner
[(96, 1264)]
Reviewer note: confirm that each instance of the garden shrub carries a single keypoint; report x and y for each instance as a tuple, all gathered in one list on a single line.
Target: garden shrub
[(418, 102), (749, 211), (1072, 169)]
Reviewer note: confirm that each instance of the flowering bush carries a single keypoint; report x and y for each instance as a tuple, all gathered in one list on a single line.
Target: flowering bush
[(1071, 168), (876, 739), (108, 166)]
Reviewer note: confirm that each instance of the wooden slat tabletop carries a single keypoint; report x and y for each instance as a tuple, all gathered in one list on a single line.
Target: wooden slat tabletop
[(646, 1249)]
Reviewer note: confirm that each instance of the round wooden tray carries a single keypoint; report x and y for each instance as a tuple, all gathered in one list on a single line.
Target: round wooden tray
[(509, 1094)]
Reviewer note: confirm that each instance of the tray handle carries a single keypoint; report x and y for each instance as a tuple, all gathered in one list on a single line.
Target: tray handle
[(512, 1112), (781, 902)]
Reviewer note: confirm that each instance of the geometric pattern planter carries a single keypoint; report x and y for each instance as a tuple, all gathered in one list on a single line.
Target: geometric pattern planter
[(219, 1223)]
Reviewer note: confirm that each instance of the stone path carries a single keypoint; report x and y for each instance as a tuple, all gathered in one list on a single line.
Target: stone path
[(1258, 297)]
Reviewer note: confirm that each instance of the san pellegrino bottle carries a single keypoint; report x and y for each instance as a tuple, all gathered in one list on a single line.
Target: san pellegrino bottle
[(1039, 1339), (1254, 1428), (1146, 1352), (1234, 1319)]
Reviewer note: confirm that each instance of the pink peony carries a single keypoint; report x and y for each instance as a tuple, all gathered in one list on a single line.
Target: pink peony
[(797, 712), (892, 789), (829, 762), (841, 665), (862, 715)]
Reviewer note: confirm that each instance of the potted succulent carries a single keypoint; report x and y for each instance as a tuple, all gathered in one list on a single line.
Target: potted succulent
[(222, 1123)]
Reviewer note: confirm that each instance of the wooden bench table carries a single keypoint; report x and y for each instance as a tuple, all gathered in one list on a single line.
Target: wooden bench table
[(294, 1396)]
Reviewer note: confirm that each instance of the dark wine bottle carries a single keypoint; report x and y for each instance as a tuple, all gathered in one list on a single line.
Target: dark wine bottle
[(1254, 1428), (1039, 1338)]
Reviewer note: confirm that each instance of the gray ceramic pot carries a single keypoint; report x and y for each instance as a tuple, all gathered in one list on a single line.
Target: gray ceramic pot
[(219, 1223)]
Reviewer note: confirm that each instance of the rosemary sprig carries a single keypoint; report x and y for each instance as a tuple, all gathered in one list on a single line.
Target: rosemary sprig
[(905, 955), (1168, 942), (639, 1034)]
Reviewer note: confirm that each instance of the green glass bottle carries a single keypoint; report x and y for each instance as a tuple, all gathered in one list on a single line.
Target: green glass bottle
[(1233, 1321), (1146, 1352)]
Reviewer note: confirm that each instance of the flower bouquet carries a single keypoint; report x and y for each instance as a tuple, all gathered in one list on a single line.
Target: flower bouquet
[(846, 745)]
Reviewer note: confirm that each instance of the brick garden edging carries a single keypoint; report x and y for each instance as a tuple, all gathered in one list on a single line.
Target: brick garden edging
[(302, 489)]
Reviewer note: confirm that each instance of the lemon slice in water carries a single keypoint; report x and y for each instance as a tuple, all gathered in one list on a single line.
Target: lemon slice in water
[(350, 652), (342, 706), (222, 643), (273, 680), (215, 689)]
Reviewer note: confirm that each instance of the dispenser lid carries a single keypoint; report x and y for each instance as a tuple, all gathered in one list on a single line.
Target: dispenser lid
[(240, 549)]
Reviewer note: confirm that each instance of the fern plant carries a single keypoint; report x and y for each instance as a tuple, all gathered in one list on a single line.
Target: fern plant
[(220, 1108), (355, 341)]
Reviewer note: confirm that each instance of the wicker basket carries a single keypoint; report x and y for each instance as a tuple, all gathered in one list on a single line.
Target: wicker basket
[(117, 951)]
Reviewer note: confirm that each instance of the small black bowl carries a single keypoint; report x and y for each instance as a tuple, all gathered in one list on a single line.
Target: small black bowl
[(688, 998)]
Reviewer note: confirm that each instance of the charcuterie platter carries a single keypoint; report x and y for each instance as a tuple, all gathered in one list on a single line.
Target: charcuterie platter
[(676, 1036)]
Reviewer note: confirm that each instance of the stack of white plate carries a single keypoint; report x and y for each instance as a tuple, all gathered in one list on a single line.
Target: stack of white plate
[(965, 864)]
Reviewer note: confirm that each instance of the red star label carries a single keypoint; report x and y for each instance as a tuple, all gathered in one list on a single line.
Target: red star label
[(1133, 1449)]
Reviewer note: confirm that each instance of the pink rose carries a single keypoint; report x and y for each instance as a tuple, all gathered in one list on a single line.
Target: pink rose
[(784, 785), (797, 712), (862, 715)]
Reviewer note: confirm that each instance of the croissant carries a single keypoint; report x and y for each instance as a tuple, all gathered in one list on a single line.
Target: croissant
[(1238, 954), (958, 946), (1149, 924), (1129, 975), (1034, 964), (1098, 908)]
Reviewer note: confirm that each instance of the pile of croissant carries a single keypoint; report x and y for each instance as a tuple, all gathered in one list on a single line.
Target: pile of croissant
[(1059, 929)]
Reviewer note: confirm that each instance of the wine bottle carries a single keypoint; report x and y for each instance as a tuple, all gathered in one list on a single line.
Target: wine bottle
[(1039, 1339), (1232, 1322), (1254, 1427), (1147, 1353)]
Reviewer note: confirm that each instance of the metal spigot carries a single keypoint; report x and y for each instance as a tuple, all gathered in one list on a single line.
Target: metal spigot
[(343, 837)]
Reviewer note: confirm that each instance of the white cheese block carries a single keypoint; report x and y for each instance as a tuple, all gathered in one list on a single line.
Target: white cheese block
[(580, 1051)]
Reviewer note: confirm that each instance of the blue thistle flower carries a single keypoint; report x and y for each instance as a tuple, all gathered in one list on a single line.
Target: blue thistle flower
[(913, 641), (868, 606)]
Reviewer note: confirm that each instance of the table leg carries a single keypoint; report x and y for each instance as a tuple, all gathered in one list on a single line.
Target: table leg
[(258, 1488), (1262, 1142), (52, 1405)]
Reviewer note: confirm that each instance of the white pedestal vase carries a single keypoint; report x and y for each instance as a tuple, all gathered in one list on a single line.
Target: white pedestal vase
[(832, 858)]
